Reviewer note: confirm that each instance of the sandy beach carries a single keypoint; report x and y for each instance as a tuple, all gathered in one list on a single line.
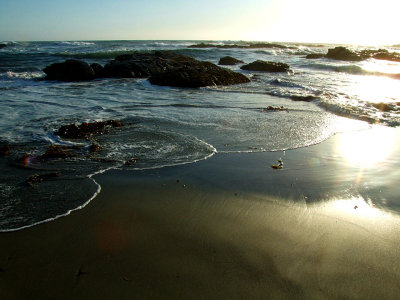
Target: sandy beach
[(229, 227)]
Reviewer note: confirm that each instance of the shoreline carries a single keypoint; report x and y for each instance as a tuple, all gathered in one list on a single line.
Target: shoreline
[(229, 226)]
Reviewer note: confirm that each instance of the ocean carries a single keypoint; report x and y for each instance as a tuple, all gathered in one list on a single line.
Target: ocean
[(167, 126)]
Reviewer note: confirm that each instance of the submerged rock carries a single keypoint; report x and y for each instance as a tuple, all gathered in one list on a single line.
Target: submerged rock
[(84, 130), (70, 70), (37, 178), (198, 74), (274, 108), (4, 150), (229, 61), (55, 151), (315, 56), (304, 98), (266, 66)]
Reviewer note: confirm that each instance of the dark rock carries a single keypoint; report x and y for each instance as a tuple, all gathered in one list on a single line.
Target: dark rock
[(315, 56), (150, 64), (383, 54), (70, 70), (303, 98), (37, 178), (266, 66), (198, 74), (4, 150), (342, 53), (3, 46), (274, 108), (98, 70), (84, 130), (141, 65), (94, 148), (228, 60), (55, 151), (133, 160), (386, 107)]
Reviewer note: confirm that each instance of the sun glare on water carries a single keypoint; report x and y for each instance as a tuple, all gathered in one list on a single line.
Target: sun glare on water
[(366, 148)]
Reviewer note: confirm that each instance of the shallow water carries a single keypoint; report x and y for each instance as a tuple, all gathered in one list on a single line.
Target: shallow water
[(168, 126)]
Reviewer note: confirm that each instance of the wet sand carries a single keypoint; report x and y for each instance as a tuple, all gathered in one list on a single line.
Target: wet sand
[(230, 227)]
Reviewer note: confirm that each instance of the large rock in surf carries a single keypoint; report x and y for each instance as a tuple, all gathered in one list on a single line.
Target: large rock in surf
[(158, 65), (70, 70), (2, 46), (266, 66), (229, 61), (172, 69), (342, 53), (198, 74), (84, 130), (144, 64)]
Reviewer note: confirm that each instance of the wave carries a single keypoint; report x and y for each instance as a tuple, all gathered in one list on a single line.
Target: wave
[(285, 83), (20, 75), (353, 69), (77, 43)]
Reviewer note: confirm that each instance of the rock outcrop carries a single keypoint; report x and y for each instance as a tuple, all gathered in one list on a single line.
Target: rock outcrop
[(144, 64), (342, 53), (70, 70), (266, 66), (198, 74), (163, 68), (84, 130), (229, 61)]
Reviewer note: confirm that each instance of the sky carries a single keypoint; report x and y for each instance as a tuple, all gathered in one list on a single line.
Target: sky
[(363, 22)]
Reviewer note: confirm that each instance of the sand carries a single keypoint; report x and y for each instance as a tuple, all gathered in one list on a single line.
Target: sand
[(229, 227)]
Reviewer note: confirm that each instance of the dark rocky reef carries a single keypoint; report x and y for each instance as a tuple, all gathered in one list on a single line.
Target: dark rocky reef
[(229, 61), (84, 130), (304, 98), (342, 53), (56, 151), (157, 65), (274, 108), (198, 74), (315, 55), (70, 70), (3, 46), (145, 64), (381, 54), (266, 66), (240, 46)]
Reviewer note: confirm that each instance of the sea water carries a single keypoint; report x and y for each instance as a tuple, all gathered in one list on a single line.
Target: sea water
[(166, 126)]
